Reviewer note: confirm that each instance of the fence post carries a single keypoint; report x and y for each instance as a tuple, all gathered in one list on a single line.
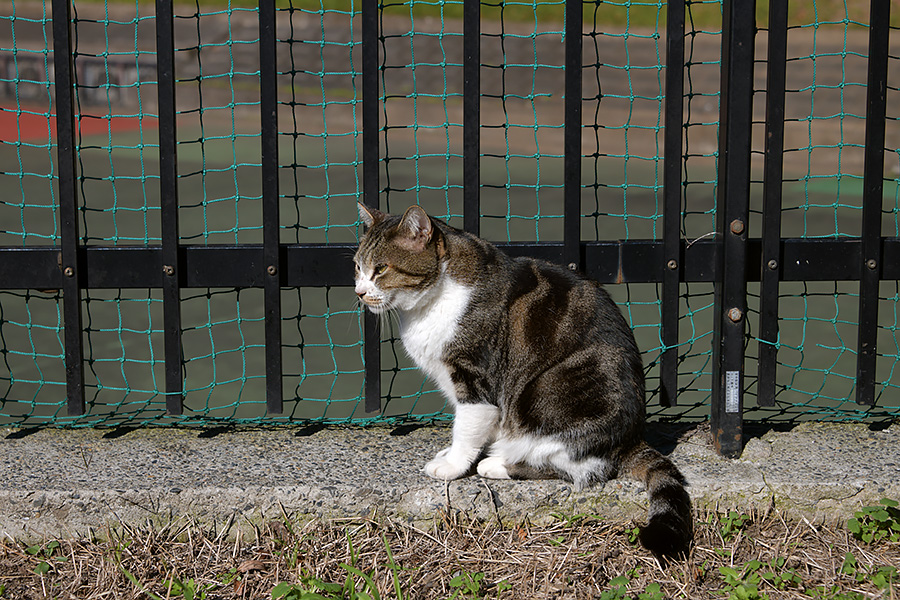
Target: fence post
[(472, 116), (268, 104), (732, 209), (873, 190), (674, 123), (372, 336), (770, 265), (572, 136), (68, 213), (168, 200)]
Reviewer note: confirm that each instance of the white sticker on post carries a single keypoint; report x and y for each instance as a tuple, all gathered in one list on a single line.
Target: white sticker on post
[(732, 391)]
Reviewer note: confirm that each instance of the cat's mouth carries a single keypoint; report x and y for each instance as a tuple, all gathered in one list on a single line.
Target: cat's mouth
[(376, 305)]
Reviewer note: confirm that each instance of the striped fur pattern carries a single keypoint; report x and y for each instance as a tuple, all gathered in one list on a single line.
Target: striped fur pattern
[(539, 363)]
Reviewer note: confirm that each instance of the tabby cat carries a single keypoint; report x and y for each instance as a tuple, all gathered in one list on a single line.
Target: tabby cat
[(538, 361)]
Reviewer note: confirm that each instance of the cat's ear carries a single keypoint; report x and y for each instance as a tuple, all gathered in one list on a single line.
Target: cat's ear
[(415, 229), (369, 216)]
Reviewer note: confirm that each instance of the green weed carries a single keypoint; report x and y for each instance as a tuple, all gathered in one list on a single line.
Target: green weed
[(134, 580), (833, 593), (776, 575), (230, 576), (306, 590), (742, 585), (45, 552), (653, 591), (187, 589), (875, 523), (569, 520), (394, 567), (634, 534), (618, 588), (746, 583), (732, 523), (311, 588), (881, 577), (466, 585)]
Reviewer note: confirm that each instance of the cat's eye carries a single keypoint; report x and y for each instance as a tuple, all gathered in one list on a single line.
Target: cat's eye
[(379, 269)]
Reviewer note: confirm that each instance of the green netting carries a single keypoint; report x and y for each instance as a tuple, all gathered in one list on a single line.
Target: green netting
[(320, 131), (824, 153)]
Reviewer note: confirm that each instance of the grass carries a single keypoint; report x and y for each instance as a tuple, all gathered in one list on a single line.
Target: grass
[(761, 555)]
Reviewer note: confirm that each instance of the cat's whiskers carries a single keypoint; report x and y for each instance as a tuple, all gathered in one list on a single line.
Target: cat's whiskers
[(384, 315), (385, 319)]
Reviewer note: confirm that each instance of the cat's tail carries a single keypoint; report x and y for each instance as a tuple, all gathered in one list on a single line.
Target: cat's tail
[(670, 527)]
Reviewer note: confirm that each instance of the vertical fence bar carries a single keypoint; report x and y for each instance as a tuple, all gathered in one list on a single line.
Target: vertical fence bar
[(732, 209), (472, 116), (268, 104), (773, 171), (873, 189), (572, 135), (372, 340), (674, 123), (68, 210), (168, 183)]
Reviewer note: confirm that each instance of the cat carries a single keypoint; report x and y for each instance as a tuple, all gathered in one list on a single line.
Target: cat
[(538, 361)]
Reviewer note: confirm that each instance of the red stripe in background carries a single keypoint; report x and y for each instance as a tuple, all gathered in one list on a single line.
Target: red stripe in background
[(33, 126)]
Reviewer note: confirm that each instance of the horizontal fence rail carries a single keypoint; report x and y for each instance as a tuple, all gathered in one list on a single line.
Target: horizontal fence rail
[(323, 265), (745, 270)]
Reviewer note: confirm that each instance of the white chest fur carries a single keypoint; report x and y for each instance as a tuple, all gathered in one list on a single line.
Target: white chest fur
[(427, 329)]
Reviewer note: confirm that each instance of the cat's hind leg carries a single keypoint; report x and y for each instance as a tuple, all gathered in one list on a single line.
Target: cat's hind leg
[(518, 457), (496, 467), (540, 457), (474, 428), (584, 472)]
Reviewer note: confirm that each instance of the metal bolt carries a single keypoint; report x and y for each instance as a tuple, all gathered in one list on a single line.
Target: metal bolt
[(735, 314), (737, 227), (69, 271), (773, 264), (169, 270), (573, 267), (871, 263), (271, 270), (672, 264)]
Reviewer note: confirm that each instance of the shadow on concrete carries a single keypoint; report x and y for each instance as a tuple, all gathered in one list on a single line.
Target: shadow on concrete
[(309, 430), (215, 431), (118, 432), (665, 437), (20, 434), (402, 430)]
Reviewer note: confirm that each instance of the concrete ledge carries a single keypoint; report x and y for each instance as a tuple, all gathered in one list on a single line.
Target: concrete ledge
[(65, 483)]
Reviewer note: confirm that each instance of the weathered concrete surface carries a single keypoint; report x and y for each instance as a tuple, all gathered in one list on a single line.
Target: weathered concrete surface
[(65, 483)]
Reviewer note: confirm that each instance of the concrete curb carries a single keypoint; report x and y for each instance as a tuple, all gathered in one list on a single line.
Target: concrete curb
[(68, 483)]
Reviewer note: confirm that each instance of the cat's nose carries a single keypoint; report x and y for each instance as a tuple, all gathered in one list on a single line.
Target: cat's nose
[(360, 294)]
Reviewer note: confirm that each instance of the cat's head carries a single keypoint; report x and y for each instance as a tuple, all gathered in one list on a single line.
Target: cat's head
[(398, 259)]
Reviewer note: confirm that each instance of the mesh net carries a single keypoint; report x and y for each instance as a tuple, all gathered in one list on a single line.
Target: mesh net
[(320, 138)]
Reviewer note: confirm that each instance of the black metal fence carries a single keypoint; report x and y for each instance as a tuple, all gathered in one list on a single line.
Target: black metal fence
[(729, 259)]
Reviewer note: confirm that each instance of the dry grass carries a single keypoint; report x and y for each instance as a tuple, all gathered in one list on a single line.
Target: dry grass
[(577, 557)]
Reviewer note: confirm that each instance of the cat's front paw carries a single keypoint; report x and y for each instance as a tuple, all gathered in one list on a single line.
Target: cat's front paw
[(443, 467), (493, 467)]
